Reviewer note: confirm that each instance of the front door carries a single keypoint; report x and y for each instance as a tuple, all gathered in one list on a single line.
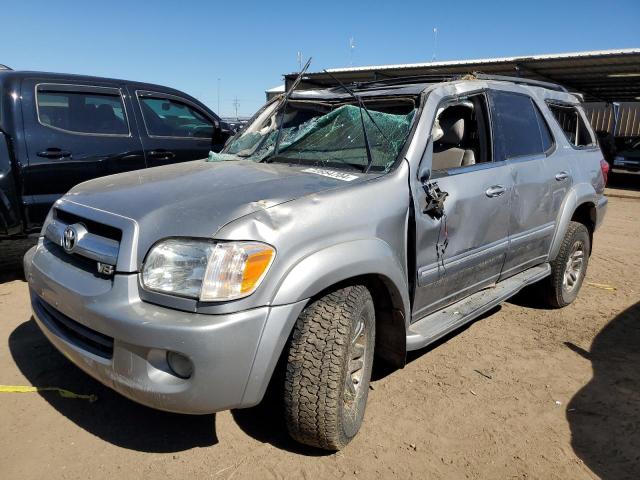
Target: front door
[(464, 250), (73, 133), (175, 129)]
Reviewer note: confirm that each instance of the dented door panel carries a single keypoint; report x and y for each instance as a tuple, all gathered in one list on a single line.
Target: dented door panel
[(476, 231)]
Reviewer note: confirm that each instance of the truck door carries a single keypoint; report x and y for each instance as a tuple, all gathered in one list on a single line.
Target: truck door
[(73, 133), (174, 128), (10, 220), (464, 250), (541, 177)]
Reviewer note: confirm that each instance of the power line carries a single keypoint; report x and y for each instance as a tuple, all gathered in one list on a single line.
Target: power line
[(435, 43), (236, 104)]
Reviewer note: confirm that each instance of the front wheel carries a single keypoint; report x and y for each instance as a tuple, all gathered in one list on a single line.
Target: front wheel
[(569, 268), (329, 367)]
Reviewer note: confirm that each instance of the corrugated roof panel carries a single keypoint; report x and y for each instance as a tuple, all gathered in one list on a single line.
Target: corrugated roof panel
[(585, 72)]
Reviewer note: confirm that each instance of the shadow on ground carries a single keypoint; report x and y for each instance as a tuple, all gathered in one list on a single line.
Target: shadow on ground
[(265, 422), (113, 418), (604, 415), (11, 253), (624, 180), (531, 296)]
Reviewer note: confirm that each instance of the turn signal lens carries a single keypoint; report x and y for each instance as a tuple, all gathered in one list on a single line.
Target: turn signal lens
[(235, 270)]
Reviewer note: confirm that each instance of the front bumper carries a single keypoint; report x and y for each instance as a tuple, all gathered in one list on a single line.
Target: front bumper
[(233, 355)]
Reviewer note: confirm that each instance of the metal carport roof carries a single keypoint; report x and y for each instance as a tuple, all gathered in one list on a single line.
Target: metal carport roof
[(604, 75)]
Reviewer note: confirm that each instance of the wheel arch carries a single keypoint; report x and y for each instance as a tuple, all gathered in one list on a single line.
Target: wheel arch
[(579, 205), (370, 262), (366, 262)]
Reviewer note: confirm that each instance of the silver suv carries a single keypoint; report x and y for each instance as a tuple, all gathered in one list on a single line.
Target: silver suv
[(341, 223)]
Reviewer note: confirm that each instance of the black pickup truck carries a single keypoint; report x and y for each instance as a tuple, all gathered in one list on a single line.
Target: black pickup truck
[(59, 130)]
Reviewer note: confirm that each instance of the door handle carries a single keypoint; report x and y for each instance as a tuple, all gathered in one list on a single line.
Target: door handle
[(54, 153), (495, 191), (161, 154), (562, 176)]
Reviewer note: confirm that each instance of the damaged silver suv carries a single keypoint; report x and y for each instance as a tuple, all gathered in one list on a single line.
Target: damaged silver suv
[(343, 222)]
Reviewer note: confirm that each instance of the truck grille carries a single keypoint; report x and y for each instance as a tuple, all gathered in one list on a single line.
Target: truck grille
[(100, 229), (73, 332), (94, 242)]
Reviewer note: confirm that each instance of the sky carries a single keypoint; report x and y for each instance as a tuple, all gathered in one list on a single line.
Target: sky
[(248, 46)]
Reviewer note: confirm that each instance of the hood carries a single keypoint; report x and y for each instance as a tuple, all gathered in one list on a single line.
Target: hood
[(197, 198)]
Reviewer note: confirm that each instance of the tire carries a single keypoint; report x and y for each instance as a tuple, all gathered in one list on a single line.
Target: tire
[(561, 288), (324, 398)]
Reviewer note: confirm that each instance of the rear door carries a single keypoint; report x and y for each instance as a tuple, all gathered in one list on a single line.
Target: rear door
[(463, 251), (73, 132), (541, 177), (175, 129)]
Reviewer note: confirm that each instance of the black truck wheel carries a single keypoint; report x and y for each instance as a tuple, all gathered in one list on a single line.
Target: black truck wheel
[(569, 267), (329, 367)]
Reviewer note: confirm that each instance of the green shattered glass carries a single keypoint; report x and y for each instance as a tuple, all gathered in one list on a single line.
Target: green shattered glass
[(335, 137)]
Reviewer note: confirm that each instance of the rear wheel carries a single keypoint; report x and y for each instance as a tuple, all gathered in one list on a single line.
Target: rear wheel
[(329, 367), (569, 267)]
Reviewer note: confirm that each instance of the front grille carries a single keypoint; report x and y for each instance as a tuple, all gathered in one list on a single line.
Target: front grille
[(90, 243), (92, 226), (77, 261), (75, 333)]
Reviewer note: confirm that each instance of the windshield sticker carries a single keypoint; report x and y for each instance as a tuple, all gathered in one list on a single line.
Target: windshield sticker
[(345, 177)]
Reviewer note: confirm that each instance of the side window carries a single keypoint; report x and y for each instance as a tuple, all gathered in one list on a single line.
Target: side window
[(571, 123), (166, 117), (519, 126), (461, 134), (81, 111), (545, 133)]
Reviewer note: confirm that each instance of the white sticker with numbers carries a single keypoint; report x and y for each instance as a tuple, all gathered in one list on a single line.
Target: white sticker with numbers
[(345, 177)]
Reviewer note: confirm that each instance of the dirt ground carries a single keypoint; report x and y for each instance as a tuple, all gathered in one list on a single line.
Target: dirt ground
[(524, 392)]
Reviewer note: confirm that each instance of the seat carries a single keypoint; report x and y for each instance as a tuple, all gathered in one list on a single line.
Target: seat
[(449, 133), (107, 121)]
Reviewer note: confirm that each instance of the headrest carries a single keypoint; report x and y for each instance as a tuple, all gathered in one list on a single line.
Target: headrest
[(449, 127)]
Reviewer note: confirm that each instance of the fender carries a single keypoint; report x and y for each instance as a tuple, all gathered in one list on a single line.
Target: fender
[(579, 194), (340, 262), (309, 277)]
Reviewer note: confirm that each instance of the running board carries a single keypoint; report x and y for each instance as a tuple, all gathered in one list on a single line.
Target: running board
[(436, 325)]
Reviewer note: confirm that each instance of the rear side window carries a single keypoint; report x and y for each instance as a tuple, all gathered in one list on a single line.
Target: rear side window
[(81, 111), (572, 125), (166, 117), (519, 127), (545, 133)]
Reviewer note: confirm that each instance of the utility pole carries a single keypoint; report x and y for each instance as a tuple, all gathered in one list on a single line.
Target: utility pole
[(299, 61), (218, 112), (236, 104), (435, 43), (352, 46)]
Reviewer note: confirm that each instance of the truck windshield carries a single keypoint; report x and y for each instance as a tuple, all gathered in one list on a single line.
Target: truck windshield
[(322, 133)]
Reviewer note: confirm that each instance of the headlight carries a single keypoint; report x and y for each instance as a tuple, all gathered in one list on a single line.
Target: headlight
[(207, 270)]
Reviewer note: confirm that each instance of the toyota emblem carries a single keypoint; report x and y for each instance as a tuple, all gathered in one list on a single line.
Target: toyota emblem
[(69, 238)]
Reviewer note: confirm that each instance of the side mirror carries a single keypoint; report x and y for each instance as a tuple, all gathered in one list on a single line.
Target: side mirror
[(424, 171)]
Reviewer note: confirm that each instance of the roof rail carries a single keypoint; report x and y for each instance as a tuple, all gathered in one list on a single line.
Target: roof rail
[(4, 67), (521, 81), (436, 78), (426, 78)]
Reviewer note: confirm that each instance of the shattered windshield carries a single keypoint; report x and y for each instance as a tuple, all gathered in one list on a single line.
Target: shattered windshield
[(327, 134)]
